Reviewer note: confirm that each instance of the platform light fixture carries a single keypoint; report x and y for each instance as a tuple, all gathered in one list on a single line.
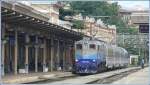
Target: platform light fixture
[(27, 17), (33, 19), (20, 15)]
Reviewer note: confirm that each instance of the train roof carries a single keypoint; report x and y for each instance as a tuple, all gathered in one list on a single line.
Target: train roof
[(101, 42), (90, 41)]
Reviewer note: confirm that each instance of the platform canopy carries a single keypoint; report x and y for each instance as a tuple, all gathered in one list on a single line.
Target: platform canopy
[(19, 14)]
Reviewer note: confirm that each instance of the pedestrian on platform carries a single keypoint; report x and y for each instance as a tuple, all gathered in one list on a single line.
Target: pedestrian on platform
[(142, 63), (61, 64)]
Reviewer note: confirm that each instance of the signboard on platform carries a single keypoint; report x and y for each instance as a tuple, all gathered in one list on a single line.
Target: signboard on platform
[(144, 28)]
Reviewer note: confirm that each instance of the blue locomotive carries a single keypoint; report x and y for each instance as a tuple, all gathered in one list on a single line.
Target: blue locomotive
[(92, 56)]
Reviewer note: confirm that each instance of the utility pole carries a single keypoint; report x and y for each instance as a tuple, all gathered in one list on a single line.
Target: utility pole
[(90, 28), (123, 38), (139, 43)]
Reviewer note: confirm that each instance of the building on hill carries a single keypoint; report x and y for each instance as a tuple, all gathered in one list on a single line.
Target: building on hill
[(134, 16), (125, 15), (97, 29), (52, 10)]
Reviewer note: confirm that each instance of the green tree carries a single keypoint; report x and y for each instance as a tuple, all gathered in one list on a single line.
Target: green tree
[(99, 8), (78, 24), (64, 13)]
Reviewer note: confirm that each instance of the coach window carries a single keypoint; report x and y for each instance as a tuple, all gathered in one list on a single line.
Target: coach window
[(92, 46), (79, 46)]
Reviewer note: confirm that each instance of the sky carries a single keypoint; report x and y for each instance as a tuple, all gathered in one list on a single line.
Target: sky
[(124, 4), (134, 4)]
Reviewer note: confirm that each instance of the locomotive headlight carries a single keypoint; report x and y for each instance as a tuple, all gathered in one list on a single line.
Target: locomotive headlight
[(76, 60), (94, 60)]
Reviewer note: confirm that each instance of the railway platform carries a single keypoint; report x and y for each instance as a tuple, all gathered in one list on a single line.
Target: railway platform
[(32, 77), (140, 77)]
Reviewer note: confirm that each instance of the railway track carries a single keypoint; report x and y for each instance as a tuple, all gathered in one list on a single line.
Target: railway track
[(54, 79), (113, 78), (100, 78), (57, 78)]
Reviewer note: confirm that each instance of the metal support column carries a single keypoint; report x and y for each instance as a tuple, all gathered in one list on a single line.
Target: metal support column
[(52, 53), (36, 54), (58, 52), (69, 55), (3, 51), (44, 56), (16, 51), (3, 56), (64, 54), (26, 54)]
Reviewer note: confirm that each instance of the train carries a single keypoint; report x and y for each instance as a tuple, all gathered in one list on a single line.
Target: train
[(94, 56)]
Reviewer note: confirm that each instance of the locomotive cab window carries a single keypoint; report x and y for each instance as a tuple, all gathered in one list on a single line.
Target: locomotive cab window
[(79, 46), (98, 47), (92, 46)]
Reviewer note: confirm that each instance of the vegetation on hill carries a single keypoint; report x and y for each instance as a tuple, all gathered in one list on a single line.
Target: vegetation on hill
[(98, 8)]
